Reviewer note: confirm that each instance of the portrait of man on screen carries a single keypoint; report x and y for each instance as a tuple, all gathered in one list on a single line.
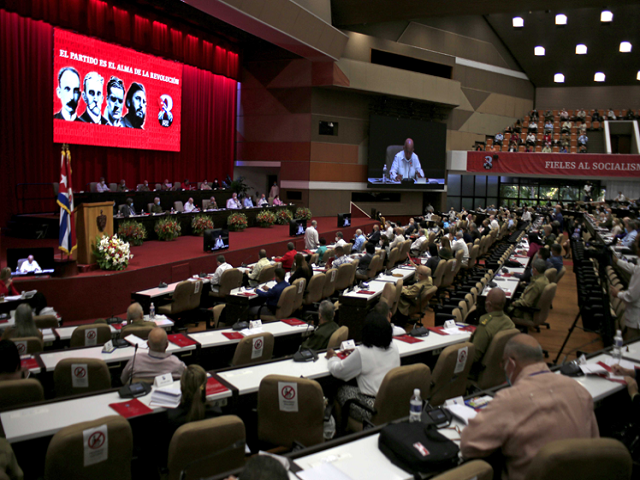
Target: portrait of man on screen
[(68, 92), (115, 100), (93, 97), (136, 103)]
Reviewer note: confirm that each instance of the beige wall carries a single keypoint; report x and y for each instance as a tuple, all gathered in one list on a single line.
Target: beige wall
[(588, 98)]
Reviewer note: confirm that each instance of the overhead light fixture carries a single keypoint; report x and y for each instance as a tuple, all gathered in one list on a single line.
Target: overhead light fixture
[(581, 49), (638, 76), (561, 19), (599, 77), (538, 51), (518, 22), (625, 47), (558, 78), (606, 16)]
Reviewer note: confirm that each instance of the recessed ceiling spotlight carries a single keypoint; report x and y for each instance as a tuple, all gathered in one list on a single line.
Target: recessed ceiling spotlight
[(581, 49), (558, 78), (625, 47), (538, 51), (518, 22), (599, 77), (606, 16), (561, 19)]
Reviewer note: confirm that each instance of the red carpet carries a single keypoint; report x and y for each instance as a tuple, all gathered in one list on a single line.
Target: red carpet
[(101, 294)]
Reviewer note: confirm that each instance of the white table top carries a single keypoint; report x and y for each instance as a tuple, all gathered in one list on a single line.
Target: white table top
[(169, 289), (633, 352), (598, 387), (374, 286), (64, 333), (214, 338), (238, 292)]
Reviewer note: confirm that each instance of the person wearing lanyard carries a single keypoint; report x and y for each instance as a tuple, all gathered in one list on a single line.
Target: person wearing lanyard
[(538, 408), (630, 296)]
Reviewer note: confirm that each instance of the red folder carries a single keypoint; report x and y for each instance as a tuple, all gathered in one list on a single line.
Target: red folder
[(408, 339), (343, 355), (468, 328), (6, 320), (214, 386), (117, 326), (233, 335), (247, 294), (29, 363), (438, 330), (131, 408), (180, 340), (293, 322), (366, 292)]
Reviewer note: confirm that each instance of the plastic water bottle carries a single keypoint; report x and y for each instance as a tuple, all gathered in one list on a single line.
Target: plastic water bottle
[(384, 173), (415, 411), (152, 311), (617, 346)]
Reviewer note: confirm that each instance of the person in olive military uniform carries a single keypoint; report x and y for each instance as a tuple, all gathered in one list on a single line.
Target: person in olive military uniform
[(490, 324), (549, 237), (532, 293), (156, 208), (319, 339), (409, 295), (135, 318)]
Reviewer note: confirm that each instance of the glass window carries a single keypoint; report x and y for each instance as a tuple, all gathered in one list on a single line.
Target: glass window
[(453, 202), (508, 192), (492, 201), (481, 186), (549, 193), (492, 186), (467, 202), (453, 185), (467, 185), (570, 194), (528, 191)]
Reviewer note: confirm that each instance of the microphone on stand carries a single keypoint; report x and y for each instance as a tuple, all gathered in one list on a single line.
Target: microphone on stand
[(138, 389)]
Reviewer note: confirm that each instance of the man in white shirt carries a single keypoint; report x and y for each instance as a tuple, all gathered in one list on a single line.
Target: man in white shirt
[(217, 276), (233, 202), (389, 232), (263, 201), (621, 197), (526, 215), (398, 239), (257, 268), (340, 240), (248, 201), (493, 222), (417, 244), (219, 243), (406, 164), (459, 244), (311, 238), (30, 266), (102, 186), (190, 206)]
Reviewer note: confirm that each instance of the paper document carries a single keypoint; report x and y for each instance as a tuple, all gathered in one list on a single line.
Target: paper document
[(167, 397), (623, 363), (251, 331), (323, 472), (462, 412), (135, 340), (593, 369)]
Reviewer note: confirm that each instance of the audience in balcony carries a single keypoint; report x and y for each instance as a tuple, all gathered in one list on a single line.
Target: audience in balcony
[(548, 116), (583, 139), (564, 115), (611, 115), (533, 115), (581, 115), (563, 149), (518, 126), (566, 127), (499, 137), (531, 140), (548, 126), (547, 148), (533, 127), (629, 115), (595, 117), (515, 138), (513, 147)]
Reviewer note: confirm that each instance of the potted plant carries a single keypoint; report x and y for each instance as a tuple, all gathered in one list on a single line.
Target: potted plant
[(237, 222), (266, 218), (303, 213), (132, 232), (167, 229), (200, 223), (283, 216), (112, 253)]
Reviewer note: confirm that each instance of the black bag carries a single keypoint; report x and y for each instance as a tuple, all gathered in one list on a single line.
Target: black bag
[(418, 448)]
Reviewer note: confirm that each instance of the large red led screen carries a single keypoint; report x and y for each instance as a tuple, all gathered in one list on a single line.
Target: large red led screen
[(112, 96)]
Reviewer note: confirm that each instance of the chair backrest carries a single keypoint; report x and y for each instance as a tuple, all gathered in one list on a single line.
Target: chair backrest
[(109, 447), (339, 336), (406, 248), (140, 332), (544, 304), (388, 293), (74, 376), (492, 373), (113, 187), (93, 187), (286, 302), (330, 253), (392, 258), (195, 294), (313, 260), (383, 259), (451, 372), (193, 447), (330, 283), (253, 349), (149, 207), (178, 206), (300, 284), (345, 275), (458, 259), (181, 300), (473, 255), (158, 186), (474, 470), (46, 321), (290, 409), (396, 391), (438, 275), (347, 248), (205, 203), (551, 274), (27, 345), (449, 273), (396, 298), (581, 459), (216, 312), (16, 393), (561, 273), (315, 289), (231, 278)]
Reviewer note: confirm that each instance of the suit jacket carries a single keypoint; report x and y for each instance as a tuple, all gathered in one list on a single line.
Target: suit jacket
[(375, 237), (272, 295), (156, 209), (86, 118), (530, 297), (58, 116), (126, 122), (319, 339)]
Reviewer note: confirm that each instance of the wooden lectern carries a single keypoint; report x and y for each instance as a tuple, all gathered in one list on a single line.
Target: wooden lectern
[(92, 220)]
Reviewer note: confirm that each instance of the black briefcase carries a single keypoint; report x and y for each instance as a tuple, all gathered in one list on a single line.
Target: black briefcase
[(418, 448)]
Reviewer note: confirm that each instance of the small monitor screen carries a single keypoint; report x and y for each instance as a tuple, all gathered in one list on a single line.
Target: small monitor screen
[(344, 220), (216, 239), (297, 228), (30, 261)]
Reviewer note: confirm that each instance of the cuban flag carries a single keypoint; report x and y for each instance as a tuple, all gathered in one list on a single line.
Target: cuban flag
[(67, 239)]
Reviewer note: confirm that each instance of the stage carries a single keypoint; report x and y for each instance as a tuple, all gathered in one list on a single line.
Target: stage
[(100, 294)]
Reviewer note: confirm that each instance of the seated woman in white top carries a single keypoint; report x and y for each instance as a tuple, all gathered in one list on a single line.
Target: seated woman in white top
[(368, 364)]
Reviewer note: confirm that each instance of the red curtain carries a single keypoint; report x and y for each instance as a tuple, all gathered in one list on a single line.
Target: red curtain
[(26, 143)]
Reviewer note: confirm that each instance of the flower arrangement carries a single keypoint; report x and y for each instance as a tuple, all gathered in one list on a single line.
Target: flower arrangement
[(266, 218), (303, 213), (200, 223), (237, 221), (112, 253), (132, 232), (167, 229), (283, 216)]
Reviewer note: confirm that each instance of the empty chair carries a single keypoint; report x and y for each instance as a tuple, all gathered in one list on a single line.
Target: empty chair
[(330, 283), (284, 309), (388, 294), (290, 409), (346, 272), (446, 383), (393, 258), (74, 376), (337, 337), (449, 273), (491, 373), (28, 345), (347, 248), (66, 458), (253, 349), (581, 459), (266, 274), (183, 299), (438, 275), (315, 289), (216, 312), (46, 321), (474, 470), (16, 393), (396, 298), (230, 279), (193, 447), (300, 284)]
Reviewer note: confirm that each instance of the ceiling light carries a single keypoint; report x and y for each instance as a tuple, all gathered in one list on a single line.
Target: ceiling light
[(561, 19), (599, 77), (638, 77), (606, 16), (625, 47), (558, 78), (581, 49), (518, 22), (538, 51)]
